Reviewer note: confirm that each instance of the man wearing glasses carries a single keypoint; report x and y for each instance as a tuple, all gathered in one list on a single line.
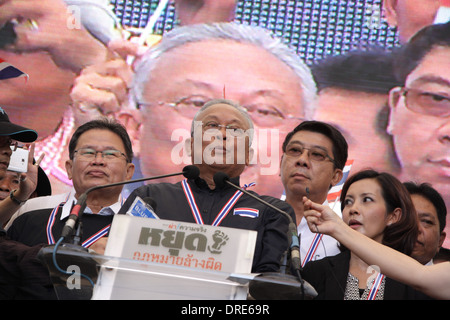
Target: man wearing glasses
[(221, 134), (197, 63), (419, 121), (100, 152), (314, 155)]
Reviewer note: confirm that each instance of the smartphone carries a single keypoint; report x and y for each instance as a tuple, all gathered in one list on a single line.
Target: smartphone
[(19, 160)]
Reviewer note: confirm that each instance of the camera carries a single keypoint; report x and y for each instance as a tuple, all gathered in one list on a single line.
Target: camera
[(19, 160)]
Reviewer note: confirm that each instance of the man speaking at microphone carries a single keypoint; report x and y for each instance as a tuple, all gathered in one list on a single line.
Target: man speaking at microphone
[(220, 141), (100, 152)]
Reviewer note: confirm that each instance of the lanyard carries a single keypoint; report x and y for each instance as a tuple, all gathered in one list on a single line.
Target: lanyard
[(196, 212), (87, 243), (312, 248), (375, 287)]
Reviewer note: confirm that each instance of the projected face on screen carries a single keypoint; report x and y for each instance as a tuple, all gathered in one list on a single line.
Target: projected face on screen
[(188, 76), (420, 122), (191, 75), (358, 115), (45, 93), (409, 17)]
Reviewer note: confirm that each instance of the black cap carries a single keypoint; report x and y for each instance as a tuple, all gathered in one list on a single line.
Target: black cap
[(15, 131), (43, 188)]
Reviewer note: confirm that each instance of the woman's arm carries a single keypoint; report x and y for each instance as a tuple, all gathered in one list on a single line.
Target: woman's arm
[(431, 280)]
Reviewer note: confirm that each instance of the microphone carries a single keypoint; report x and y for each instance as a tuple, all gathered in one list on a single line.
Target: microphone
[(220, 180), (189, 172)]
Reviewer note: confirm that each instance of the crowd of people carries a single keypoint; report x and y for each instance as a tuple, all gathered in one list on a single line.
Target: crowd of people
[(202, 95)]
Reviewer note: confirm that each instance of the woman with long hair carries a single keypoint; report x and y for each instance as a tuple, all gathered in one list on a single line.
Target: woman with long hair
[(432, 280), (378, 206)]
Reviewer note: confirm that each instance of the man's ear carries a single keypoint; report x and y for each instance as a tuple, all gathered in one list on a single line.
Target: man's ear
[(132, 121), (442, 238), (188, 146), (69, 165), (281, 162), (337, 176), (390, 13), (394, 96), (130, 171)]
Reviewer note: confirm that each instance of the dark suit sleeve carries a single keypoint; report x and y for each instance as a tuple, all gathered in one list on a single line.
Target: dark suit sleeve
[(314, 273), (22, 275), (141, 192), (15, 231), (328, 276)]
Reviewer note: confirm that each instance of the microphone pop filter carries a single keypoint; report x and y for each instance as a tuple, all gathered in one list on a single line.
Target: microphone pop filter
[(220, 179), (191, 172)]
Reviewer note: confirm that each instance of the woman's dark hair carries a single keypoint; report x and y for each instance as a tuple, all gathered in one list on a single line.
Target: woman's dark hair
[(409, 56), (103, 124), (400, 235)]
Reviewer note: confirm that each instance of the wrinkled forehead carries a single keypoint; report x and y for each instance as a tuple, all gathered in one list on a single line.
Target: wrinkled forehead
[(223, 112), (224, 69)]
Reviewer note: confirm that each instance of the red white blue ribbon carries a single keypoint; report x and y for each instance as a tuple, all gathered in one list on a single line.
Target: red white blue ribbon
[(196, 212), (87, 243), (246, 212), (8, 71), (100, 234), (191, 200), (375, 287), (312, 248), (51, 221)]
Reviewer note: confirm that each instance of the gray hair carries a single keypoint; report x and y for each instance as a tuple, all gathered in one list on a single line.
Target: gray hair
[(260, 37), (231, 103)]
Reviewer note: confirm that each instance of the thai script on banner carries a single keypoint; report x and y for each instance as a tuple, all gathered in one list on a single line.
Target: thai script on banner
[(182, 244), (188, 261)]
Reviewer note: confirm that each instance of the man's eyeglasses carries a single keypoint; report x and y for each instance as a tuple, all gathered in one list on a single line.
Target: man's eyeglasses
[(315, 154), (214, 126), (263, 114), (427, 103), (89, 154)]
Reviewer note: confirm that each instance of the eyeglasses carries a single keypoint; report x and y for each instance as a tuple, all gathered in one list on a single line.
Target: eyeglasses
[(7, 141), (214, 126), (427, 103), (89, 154), (315, 154), (263, 114)]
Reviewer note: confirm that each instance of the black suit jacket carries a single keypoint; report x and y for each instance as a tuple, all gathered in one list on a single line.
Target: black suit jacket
[(329, 277), (272, 227), (22, 275)]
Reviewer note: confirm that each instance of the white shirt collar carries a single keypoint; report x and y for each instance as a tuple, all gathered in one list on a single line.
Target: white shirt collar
[(106, 211)]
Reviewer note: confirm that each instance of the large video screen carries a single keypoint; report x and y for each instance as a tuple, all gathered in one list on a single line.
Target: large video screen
[(330, 60)]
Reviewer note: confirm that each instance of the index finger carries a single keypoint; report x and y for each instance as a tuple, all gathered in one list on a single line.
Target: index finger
[(38, 161)]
